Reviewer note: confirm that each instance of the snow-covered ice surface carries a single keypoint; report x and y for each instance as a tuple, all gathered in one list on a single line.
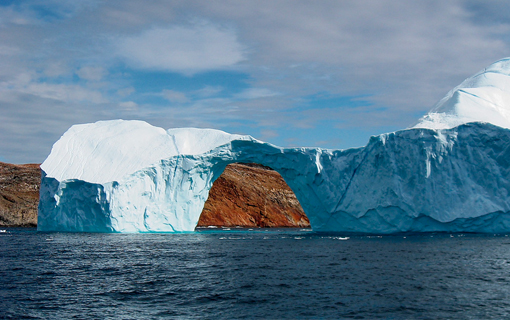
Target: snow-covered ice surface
[(484, 97), (451, 172), (108, 150)]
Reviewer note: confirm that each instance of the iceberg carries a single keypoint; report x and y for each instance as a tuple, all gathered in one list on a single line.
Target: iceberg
[(449, 172)]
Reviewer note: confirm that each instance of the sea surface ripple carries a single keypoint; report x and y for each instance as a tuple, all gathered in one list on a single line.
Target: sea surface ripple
[(253, 274)]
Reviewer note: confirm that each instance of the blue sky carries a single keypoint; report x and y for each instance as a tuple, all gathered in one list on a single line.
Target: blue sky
[(294, 73)]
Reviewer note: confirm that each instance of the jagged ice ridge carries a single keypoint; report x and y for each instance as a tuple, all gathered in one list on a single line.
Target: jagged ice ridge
[(449, 172)]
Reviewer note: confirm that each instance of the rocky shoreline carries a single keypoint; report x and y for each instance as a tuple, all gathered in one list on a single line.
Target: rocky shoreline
[(245, 195), (19, 194)]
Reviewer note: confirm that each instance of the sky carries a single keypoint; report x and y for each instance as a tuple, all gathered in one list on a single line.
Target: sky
[(293, 73)]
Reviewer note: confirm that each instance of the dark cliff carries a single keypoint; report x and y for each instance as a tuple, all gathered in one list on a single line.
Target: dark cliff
[(252, 196), (19, 194)]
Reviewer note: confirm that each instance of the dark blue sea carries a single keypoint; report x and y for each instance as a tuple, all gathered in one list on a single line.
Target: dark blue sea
[(253, 274)]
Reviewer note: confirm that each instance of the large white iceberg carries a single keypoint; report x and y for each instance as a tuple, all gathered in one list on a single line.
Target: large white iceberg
[(451, 172)]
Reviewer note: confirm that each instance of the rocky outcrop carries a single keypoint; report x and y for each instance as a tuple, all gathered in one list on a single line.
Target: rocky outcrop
[(251, 195), (19, 194), (244, 195)]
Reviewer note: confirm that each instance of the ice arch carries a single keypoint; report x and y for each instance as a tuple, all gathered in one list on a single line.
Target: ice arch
[(92, 181), (450, 172), (412, 180)]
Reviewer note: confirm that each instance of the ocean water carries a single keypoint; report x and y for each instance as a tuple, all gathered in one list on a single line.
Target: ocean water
[(253, 274)]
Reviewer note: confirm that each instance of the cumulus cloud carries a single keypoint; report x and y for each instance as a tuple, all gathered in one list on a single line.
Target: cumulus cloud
[(185, 49)]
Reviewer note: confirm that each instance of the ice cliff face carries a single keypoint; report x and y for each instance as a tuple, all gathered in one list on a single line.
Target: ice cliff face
[(446, 174)]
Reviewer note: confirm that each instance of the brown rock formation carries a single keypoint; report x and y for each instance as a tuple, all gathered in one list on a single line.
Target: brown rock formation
[(19, 194), (251, 195), (244, 195)]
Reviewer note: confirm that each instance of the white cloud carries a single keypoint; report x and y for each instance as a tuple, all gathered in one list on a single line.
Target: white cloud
[(174, 96), (407, 53), (208, 91), (9, 50), (401, 55), (56, 69), (128, 105), (255, 93), (91, 73), (32, 123), (8, 15), (185, 49), (268, 134), (63, 92), (26, 84), (124, 92)]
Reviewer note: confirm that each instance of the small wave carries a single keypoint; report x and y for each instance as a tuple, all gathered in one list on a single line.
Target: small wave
[(233, 238), (337, 238)]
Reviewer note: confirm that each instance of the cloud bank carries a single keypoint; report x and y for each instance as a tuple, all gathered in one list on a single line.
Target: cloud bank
[(187, 49), (327, 73)]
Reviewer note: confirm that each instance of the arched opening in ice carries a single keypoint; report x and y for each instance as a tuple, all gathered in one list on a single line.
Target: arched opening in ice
[(450, 172), (251, 195)]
